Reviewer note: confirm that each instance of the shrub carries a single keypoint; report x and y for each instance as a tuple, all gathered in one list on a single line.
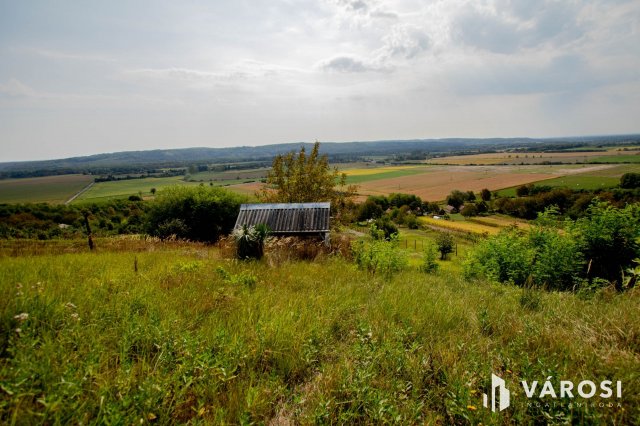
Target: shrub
[(608, 237), (505, 257), (469, 210), (383, 229), (411, 221), (379, 256), (429, 264), (197, 213), (630, 180)]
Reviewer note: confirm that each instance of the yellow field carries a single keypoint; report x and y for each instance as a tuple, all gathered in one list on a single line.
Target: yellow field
[(465, 226), (490, 225)]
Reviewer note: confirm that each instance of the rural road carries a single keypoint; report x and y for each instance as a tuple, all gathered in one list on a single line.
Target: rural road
[(79, 193)]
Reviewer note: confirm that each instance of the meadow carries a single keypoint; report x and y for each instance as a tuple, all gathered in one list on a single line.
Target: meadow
[(49, 189), (177, 332)]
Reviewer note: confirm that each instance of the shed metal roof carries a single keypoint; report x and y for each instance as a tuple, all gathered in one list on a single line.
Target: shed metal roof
[(284, 218)]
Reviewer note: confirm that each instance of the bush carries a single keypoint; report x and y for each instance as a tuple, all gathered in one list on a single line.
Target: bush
[(195, 213), (411, 221), (609, 239), (379, 256), (630, 180), (383, 229), (429, 264)]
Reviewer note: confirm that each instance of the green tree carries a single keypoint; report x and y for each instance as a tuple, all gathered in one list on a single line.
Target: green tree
[(485, 194), (456, 199), (197, 213), (298, 178), (444, 241)]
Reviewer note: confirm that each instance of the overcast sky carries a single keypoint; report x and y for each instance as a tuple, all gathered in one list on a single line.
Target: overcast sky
[(85, 77)]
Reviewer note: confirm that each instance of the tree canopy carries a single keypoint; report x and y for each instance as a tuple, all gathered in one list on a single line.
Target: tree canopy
[(298, 178)]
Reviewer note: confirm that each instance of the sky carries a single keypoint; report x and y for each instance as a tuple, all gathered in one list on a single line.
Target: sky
[(87, 77)]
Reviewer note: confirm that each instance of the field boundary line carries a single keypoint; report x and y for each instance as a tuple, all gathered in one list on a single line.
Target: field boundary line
[(79, 193)]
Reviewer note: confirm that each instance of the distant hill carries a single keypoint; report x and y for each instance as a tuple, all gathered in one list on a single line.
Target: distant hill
[(132, 161)]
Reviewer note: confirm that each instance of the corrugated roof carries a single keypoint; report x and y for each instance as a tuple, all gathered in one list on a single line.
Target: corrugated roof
[(286, 217)]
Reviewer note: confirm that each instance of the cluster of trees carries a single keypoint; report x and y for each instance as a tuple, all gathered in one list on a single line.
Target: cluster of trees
[(589, 252), (46, 221)]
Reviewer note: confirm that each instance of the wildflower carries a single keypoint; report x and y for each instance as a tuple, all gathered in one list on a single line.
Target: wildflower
[(70, 305), (75, 316), (18, 330), (471, 407), (21, 317)]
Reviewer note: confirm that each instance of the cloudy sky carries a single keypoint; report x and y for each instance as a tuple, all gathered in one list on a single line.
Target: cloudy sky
[(84, 77)]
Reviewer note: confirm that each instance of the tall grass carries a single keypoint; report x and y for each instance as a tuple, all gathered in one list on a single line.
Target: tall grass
[(301, 342)]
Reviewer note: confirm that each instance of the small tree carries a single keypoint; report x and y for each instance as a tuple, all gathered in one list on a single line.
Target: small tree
[(444, 241), (485, 194), (299, 178)]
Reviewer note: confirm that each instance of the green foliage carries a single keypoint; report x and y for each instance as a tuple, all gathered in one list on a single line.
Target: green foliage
[(485, 194), (298, 178), (630, 180), (594, 249), (50, 221), (469, 210), (429, 256), (196, 213), (369, 210), (444, 241), (379, 256), (383, 229), (506, 257), (609, 238), (250, 241), (243, 279), (411, 221), (456, 198)]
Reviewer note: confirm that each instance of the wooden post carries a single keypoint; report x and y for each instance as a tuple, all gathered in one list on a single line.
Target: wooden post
[(86, 224)]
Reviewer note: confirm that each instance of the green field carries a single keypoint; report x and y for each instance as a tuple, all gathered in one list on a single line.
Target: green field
[(374, 175), (49, 189), (126, 188), (616, 159), (193, 337)]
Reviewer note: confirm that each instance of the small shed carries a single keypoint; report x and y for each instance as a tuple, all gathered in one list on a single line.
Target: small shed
[(288, 219)]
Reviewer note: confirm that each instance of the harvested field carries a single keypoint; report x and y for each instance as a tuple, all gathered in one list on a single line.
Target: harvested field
[(532, 158), (436, 185)]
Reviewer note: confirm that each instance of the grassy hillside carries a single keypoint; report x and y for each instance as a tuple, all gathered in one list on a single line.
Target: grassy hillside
[(192, 336)]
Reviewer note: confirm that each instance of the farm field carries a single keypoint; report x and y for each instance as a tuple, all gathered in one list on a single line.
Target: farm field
[(588, 178), (194, 337), (434, 183), (612, 155), (125, 188), (481, 225), (438, 182), (49, 189), (230, 175)]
